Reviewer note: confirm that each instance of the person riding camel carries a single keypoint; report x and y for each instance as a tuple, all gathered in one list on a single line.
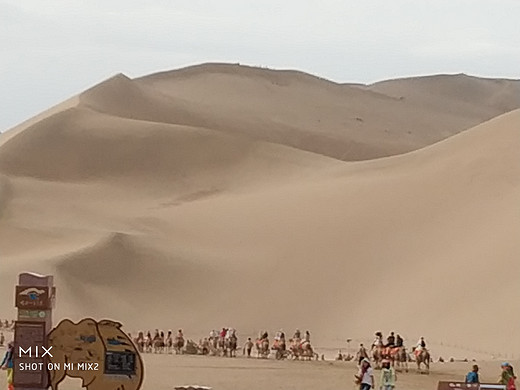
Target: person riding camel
[(390, 344), (378, 341), (223, 333), (279, 340), (307, 336), (265, 336), (390, 340), (421, 346), (180, 335), (297, 335), (231, 333), (399, 342)]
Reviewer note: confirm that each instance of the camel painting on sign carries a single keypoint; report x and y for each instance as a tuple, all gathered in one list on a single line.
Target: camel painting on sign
[(98, 352)]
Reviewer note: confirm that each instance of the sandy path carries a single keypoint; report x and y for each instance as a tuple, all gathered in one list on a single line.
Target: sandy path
[(163, 372)]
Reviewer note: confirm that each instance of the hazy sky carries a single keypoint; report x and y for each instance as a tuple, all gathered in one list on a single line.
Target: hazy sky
[(53, 49)]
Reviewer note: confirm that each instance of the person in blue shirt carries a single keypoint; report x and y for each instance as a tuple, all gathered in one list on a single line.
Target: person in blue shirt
[(472, 376)]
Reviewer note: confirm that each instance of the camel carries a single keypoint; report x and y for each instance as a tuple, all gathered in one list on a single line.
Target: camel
[(168, 343), (262, 348), (302, 350), (280, 349), (139, 341), (221, 346), (213, 346), (158, 345), (399, 358), (422, 357), (204, 346), (377, 356), (148, 343), (158, 342), (178, 345), (230, 346)]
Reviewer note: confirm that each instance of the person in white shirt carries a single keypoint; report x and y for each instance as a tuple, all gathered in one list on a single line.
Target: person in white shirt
[(421, 344), (378, 341), (230, 333), (365, 377)]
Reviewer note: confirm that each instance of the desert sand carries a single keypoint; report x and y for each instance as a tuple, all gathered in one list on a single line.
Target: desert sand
[(165, 372), (222, 195)]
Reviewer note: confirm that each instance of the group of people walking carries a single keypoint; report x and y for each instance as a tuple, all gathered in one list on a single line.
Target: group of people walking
[(365, 377), (507, 377)]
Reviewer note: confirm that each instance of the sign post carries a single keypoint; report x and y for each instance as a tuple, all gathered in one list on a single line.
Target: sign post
[(34, 298)]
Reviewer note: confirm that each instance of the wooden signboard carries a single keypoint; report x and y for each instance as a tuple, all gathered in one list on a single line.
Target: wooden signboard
[(453, 385), (33, 297)]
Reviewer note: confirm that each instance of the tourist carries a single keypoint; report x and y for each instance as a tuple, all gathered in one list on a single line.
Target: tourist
[(365, 377), (362, 354), (508, 377), (388, 376), (7, 364), (248, 347), (472, 376)]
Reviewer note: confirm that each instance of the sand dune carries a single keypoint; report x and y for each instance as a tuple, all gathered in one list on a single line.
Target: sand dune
[(489, 96), (342, 121), (211, 196)]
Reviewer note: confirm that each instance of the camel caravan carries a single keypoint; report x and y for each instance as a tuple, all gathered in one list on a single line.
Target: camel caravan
[(225, 343), (218, 344), (395, 352), (298, 347), (159, 343)]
